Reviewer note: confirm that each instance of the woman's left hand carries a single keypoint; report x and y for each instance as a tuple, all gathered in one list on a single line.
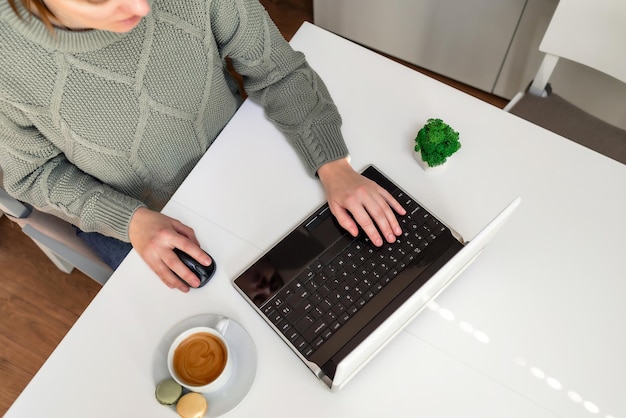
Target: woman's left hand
[(352, 196)]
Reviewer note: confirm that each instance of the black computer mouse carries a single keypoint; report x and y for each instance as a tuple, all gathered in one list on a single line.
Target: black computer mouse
[(204, 273)]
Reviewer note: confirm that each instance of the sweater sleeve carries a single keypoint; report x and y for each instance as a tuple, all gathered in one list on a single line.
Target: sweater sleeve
[(36, 172), (279, 78)]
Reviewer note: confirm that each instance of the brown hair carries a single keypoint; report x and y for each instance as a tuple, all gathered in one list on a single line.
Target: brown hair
[(40, 11)]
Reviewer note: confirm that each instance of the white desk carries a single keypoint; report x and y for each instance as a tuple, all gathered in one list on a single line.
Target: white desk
[(532, 329)]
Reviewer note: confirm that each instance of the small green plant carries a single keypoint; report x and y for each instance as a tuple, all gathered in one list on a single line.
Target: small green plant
[(436, 141)]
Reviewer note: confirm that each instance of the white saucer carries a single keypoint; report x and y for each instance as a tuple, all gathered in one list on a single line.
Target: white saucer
[(245, 364)]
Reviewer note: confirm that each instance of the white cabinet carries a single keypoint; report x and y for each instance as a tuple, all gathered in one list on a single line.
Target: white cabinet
[(488, 44), (463, 40)]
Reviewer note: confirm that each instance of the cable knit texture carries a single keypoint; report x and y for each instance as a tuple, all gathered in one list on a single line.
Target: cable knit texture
[(94, 124)]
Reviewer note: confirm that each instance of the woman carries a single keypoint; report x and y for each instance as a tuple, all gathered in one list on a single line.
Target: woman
[(106, 105)]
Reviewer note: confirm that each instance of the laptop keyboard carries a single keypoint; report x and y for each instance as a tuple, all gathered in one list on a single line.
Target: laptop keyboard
[(316, 304)]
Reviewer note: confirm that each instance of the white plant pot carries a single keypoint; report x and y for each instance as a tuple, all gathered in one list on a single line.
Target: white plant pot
[(418, 157)]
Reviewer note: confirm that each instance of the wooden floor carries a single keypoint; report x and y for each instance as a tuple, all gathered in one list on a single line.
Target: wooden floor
[(39, 304)]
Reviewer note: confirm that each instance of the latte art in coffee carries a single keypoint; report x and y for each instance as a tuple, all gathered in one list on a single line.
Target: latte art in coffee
[(199, 359)]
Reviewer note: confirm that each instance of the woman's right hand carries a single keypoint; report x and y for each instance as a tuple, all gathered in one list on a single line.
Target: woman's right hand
[(154, 236)]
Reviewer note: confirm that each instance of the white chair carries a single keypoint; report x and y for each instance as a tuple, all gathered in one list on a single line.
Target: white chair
[(591, 33), (56, 238)]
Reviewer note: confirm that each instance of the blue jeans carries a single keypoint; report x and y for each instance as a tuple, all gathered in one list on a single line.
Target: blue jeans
[(110, 250)]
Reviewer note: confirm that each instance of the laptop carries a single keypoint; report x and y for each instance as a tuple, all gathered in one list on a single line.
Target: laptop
[(336, 300)]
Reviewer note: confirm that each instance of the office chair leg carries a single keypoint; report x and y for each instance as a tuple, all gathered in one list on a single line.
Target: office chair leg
[(538, 87), (60, 263)]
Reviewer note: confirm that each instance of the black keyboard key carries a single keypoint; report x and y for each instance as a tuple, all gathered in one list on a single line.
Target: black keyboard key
[(327, 333), (344, 318), (338, 308), (274, 316), (311, 286), (324, 291), (299, 311), (307, 351), (303, 324), (285, 309), (326, 305), (317, 312), (317, 343), (283, 325), (314, 331), (292, 334), (300, 344)]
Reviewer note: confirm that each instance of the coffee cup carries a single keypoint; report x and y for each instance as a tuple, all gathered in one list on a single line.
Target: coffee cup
[(200, 360)]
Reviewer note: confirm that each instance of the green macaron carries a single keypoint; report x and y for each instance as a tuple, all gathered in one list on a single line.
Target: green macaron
[(168, 392)]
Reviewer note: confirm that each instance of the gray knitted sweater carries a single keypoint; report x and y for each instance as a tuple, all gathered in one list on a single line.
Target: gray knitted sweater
[(95, 124)]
